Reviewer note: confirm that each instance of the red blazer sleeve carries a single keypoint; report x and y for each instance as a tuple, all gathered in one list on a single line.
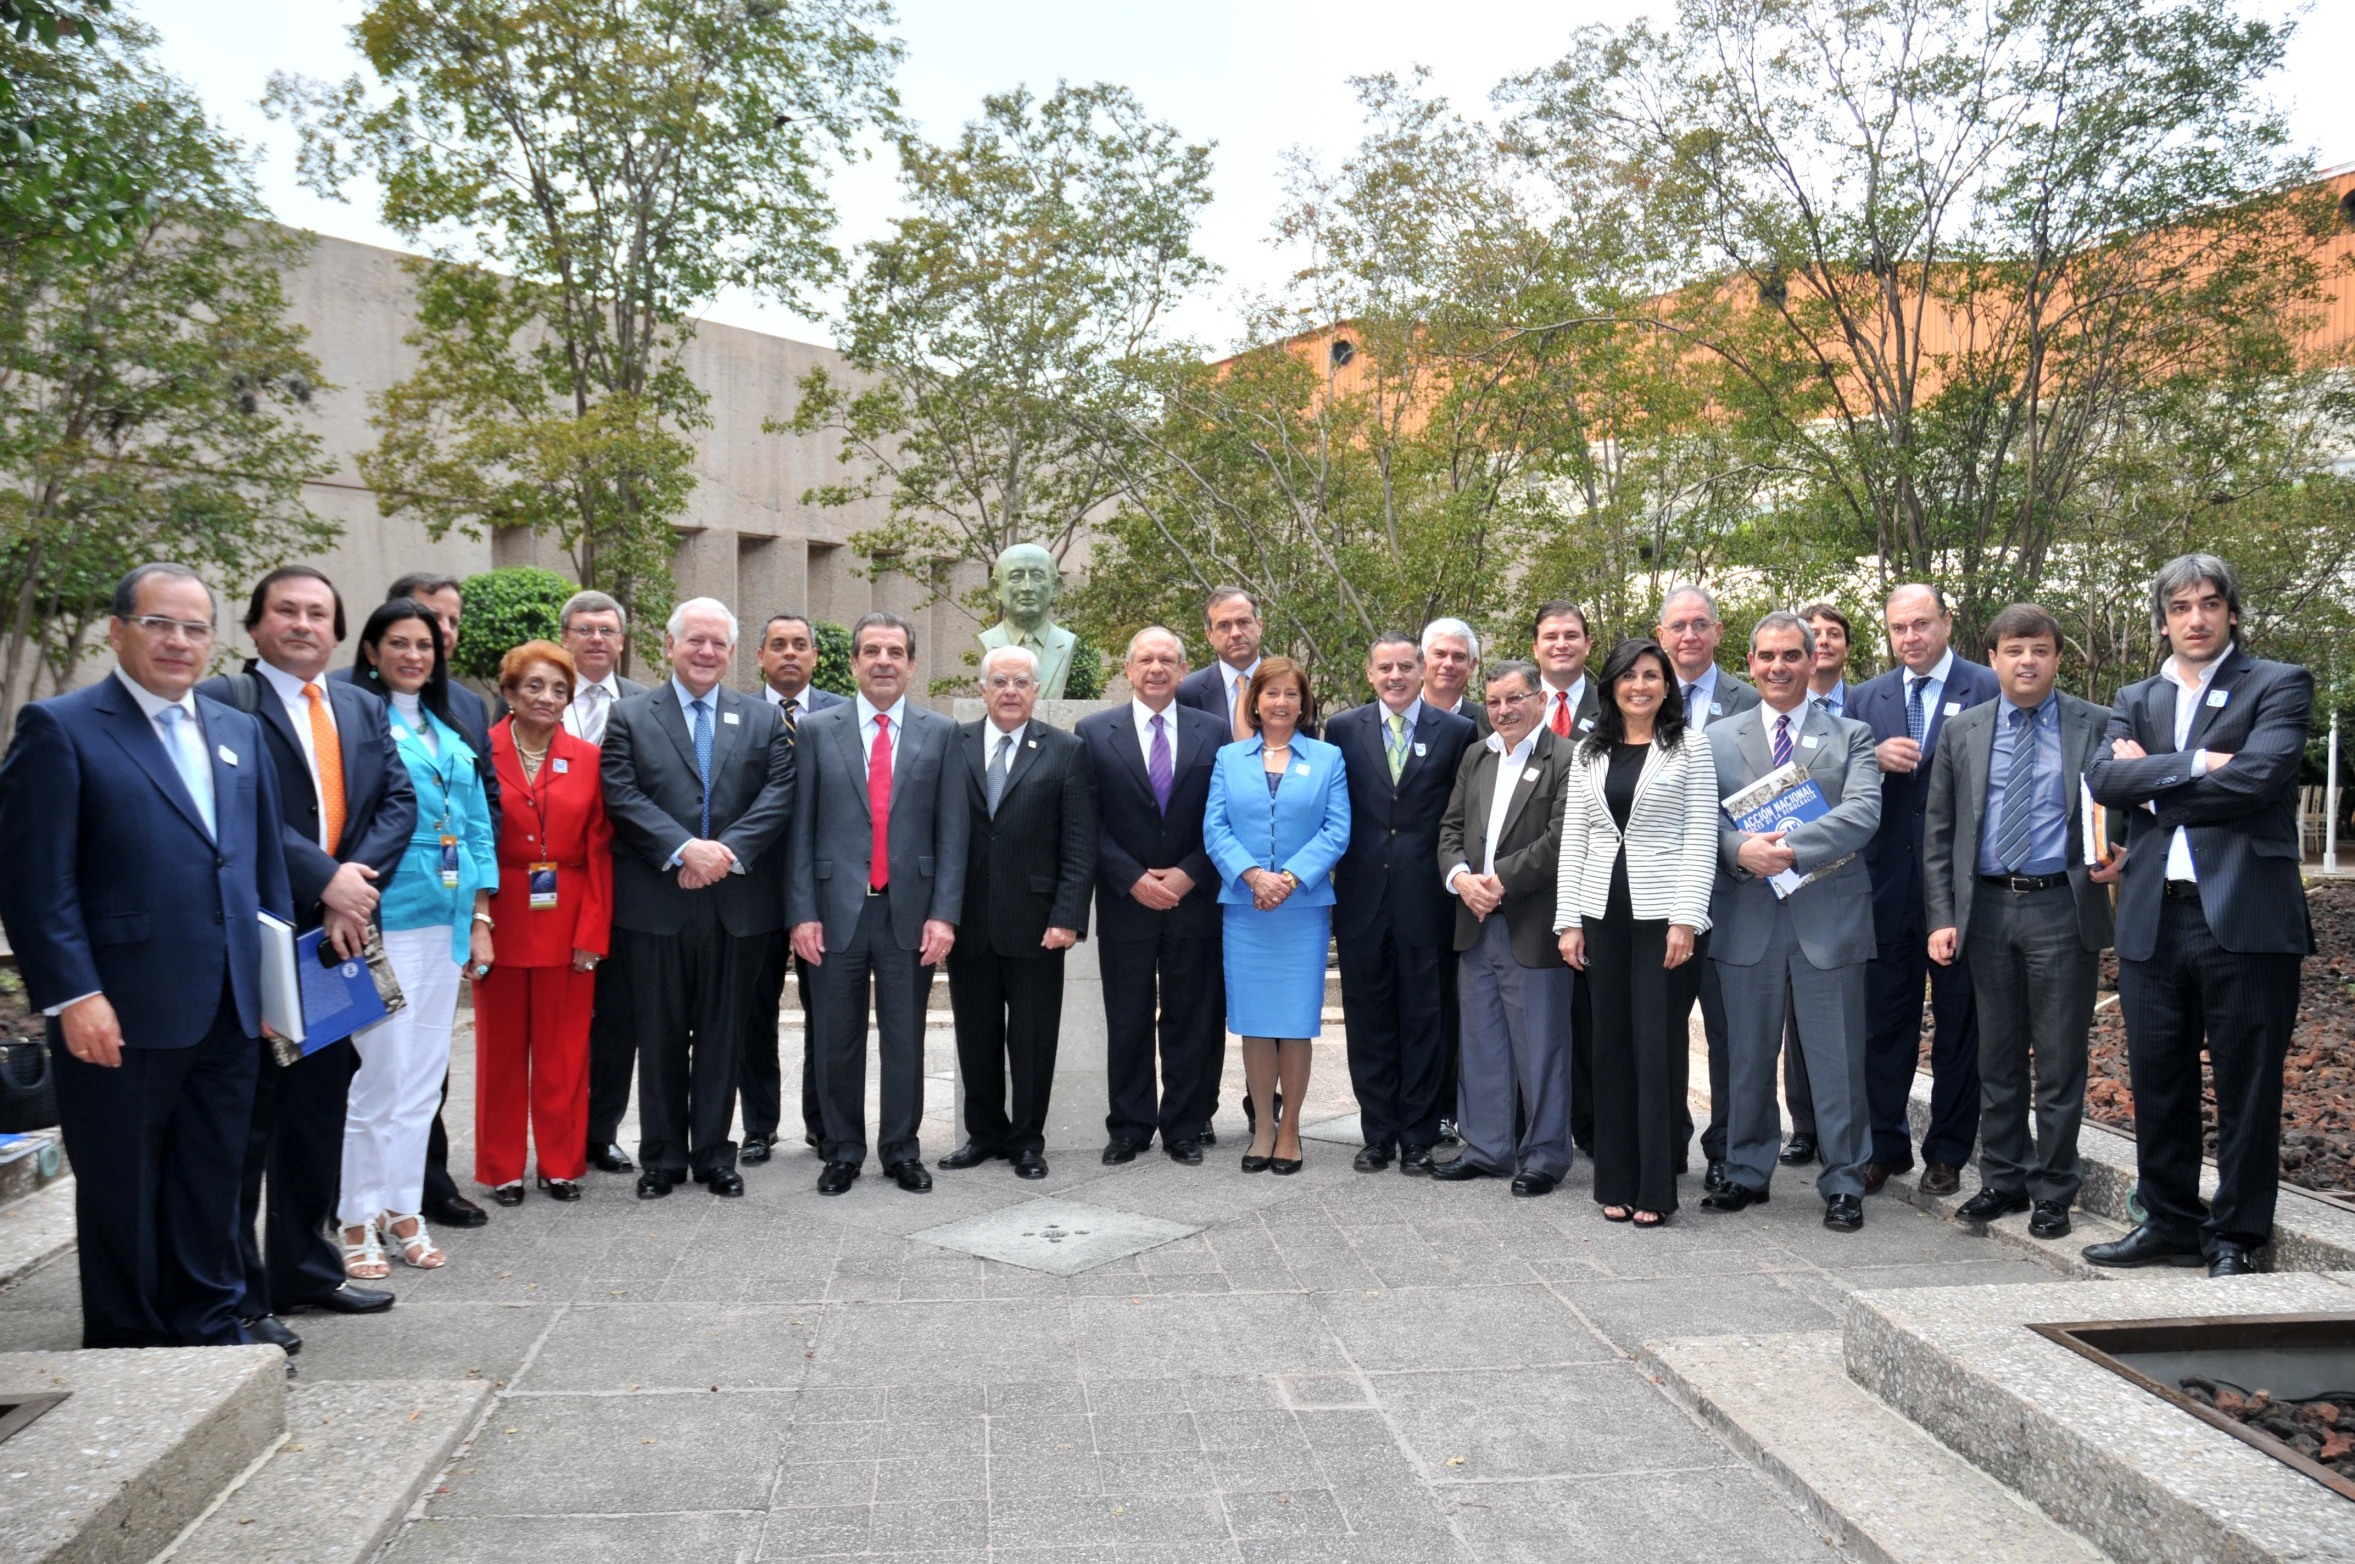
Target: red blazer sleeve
[(594, 933)]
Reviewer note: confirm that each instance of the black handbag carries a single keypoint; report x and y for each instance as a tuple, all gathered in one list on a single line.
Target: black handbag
[(28, 1092)]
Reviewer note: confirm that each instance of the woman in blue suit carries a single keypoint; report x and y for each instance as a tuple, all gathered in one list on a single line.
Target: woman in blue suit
[(1278, 823)]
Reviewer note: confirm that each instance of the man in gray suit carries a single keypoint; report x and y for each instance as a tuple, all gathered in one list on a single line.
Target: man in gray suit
[(1802, 953), (876, 889), (699, 785), (2005, 881)]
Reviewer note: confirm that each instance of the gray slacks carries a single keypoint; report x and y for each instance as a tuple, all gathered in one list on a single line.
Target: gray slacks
[(1826, 1009), (1516, 1041), (2034, 980), (839, 988)]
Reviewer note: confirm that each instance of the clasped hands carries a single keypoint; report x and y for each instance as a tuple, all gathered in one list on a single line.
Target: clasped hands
[(1161, 889), (1268, 888), (703, 863)]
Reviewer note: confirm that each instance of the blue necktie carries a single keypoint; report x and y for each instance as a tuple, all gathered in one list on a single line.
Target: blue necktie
[(1915, 723), (187, 752), (1782, 739), (2019, 795), (703, 759)]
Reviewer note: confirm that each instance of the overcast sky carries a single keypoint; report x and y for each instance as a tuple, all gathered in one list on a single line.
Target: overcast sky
[(1257, 77)]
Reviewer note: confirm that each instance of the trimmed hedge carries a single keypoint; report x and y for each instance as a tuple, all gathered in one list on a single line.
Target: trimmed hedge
[(833, 671), (504, 609)]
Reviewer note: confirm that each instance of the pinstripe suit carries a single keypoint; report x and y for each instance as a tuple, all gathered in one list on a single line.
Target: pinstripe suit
[(2220, 963)]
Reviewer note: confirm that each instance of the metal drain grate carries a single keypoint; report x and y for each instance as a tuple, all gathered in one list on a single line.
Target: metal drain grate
[(18, 1409)]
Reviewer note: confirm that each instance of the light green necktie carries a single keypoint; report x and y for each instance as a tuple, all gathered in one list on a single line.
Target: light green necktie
[(1397, 745)]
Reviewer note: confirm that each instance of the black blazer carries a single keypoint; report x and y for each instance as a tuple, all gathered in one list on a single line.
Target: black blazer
[(1133, 836), (1527, 851), (1385, 875), (379, 802), (1032, 867), (1205, 689), (1894, 854), (654, 796), (2242, 820)]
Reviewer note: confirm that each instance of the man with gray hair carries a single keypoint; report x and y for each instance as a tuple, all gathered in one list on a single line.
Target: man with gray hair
[(2212, 919), (1451, 660)]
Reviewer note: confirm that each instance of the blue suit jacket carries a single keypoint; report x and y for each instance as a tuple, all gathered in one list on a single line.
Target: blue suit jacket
[(1394, 826), (111, 884), (1303, 826), (1894, 855)]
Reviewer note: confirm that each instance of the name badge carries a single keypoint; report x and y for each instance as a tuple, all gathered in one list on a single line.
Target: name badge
[(1586, 724), (1810, 741), (1300, 770), (1716, 708), (730, 718), (1033, 744), (228, 755), (1530, 775), (399, 732), (543, 886), (2217, 698), (449, 862), (563, 766), (1954, 708), (1422, 748)]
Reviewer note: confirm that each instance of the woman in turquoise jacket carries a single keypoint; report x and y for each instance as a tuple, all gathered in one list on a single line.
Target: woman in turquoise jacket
[(437, 926), (1278, 823)]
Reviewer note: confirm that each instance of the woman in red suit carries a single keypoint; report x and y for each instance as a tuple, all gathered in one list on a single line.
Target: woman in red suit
[(550, 919)]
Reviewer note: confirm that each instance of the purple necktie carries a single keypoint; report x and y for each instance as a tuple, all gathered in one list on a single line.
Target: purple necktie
[(1782, 740), (1158, 769)]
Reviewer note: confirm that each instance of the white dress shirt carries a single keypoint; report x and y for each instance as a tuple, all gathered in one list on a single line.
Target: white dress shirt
[(1500, 804), (591, 704), (1144, 715), (2188, 696), (1570, 699), (298, 716), (897, 711), (1933, 689), (799, 700), (1702, 691), (1001, 741)]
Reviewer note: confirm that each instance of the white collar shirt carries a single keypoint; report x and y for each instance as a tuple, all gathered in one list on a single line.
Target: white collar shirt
[(1143, 715), (1509, 765), (1933, 686), (897, 713), (1568, 700), (1235, 680), (152, 706), (1698, 693), (298, 716), (1000, 741), (2188, 696), (592, 703), (799, 700)]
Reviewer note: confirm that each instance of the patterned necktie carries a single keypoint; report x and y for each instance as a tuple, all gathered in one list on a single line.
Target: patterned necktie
[(1915, 722), (1001, 766), (1561, 721), (2019, 795), (1782, 739), (703, 759), (187, 753), (879, 805), (329, 755), (1238, 722), (1397, 746), (1159, 770), (592, 724), (786, 709), (1694, 716)]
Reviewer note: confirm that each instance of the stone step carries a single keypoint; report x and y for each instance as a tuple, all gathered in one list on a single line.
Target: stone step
[(2065, 1255), (1886, 1491), (36, 1230), (358, 1454), (138, 1449)]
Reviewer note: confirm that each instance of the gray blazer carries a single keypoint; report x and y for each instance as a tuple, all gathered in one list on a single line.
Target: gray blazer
[(1953, 820), (654, 796), (833, 834), (1832, 919)]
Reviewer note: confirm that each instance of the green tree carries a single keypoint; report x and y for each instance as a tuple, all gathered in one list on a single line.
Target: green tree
[(505, 608), (153, 398), (585, 174), (64, 185)]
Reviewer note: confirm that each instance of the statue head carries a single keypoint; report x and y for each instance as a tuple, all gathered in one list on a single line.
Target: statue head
[(1025, 584)]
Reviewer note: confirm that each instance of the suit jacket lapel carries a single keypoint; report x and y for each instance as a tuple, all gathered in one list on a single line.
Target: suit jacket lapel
[(1125, 739), (670, 715), (1418, 743), (1978, 761), (2234, 666), (853, 758), (977, 756), (272, 712), (1025, 751), (1524, 785), (2081, 730), (726, 736), (1653, 755), (1751, 735), (2160, 714), (136, 734)]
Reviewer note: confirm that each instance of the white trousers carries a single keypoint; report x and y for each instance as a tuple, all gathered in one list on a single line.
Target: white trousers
[(399, 1084)]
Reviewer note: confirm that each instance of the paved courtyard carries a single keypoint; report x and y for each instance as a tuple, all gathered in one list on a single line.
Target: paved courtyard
[(1331, 1367)]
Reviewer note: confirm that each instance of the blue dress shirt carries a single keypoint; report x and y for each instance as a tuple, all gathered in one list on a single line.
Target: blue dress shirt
[(2048, 826)]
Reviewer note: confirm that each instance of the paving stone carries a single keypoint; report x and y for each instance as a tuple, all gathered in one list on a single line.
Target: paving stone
[(1058, 1237), (1631, 1313), (610, 1455), (1170, 1337), (576, 1539), (419, 1341), (1458, 1328), (670, 1346)]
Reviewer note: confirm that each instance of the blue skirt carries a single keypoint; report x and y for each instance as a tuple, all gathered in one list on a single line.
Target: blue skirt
[(1275, 963)]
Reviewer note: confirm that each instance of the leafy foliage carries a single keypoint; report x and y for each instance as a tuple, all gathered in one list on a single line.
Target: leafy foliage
[(505, 608), (64, 185), (833, 670)]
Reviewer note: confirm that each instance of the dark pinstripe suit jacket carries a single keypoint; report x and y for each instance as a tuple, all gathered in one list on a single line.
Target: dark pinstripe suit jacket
[(2242, 820)]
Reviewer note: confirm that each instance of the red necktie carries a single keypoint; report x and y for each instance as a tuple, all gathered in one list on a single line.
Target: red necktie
[(1562, 713), (879, 804)]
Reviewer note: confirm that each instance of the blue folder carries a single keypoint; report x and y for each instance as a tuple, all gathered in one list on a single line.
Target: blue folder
[(339, 997)]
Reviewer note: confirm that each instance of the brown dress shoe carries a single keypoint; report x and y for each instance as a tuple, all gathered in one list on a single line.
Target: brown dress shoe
[(1875, 1175), (1941, 1178)]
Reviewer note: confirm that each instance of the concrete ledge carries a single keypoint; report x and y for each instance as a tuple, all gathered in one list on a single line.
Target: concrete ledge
[(1886, 1491), (138, 1451), (36, 1230), (2064, 1255), (357, 1456), (2116, 1465)]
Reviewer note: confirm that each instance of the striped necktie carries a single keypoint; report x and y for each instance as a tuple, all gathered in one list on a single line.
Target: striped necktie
[(2019, 794), (1397, 746), (1782, 739)]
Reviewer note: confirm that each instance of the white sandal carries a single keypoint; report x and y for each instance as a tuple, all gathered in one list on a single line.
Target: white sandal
[(416, 1248), (363, 1260)]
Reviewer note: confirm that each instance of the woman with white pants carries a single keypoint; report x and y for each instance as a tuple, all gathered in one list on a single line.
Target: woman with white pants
[(435, 916)]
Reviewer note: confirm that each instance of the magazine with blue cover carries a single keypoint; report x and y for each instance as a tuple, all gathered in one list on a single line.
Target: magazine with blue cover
[(1783, 798), (341, 997)]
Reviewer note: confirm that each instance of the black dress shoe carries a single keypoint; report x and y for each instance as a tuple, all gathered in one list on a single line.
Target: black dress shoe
[(653, 1184), (566, 1189), (1988, 1204), (1941, 1178), (506, 1195), (1733, 1197), (2232, 1260), (1120, 1149), (1714, 1179), (1209, 1135), (967, 1156), (1448, 1133), (2051, 1220), (457, 1211), (1252, 1164), (837, 1177), (1844, 1213), (1371, 1159), (757, 1148), (1460, 1171), (1535, 1184), (813, 1140), (1185, 1151), (910, 1176), (1029, 1163), (1877, 1173), (1283, 1166), (721, 1181), (268, 1330), (348, 1299), (1798, 1151), (1414, 1159), (610, 1158), (2141, 1247)]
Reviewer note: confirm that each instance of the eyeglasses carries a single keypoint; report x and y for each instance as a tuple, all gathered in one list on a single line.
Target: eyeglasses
[(1691, 627), (164, 629), (1001, 681), (595, 632), (1522, 699)]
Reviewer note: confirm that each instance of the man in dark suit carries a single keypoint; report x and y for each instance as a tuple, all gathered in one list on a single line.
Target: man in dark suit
[(1157, 917), (1907, 708), (594, 627), (1690, 632), (347, 811), (1231, 624), (1504, 814), (1030, 865), (2005, 877), (2212, 919), (142, 842), (788, 657), (699, 785), (1391, 919), (1560, 643), (1451, 666), (878, 884)]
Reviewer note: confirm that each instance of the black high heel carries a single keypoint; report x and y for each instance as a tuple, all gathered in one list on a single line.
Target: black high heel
[(1252, 1164), (560, 1188), (1284, 1165)]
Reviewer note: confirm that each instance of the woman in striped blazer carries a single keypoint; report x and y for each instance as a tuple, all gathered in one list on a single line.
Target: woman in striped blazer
[(1639, 856)]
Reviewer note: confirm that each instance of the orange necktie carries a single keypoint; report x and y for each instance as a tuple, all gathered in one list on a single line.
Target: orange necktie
[(1241, 726), (330, 756), (1562, 713)]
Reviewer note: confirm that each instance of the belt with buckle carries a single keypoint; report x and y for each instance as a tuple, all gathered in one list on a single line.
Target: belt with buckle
[(2025, 882), (2183, 890)]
